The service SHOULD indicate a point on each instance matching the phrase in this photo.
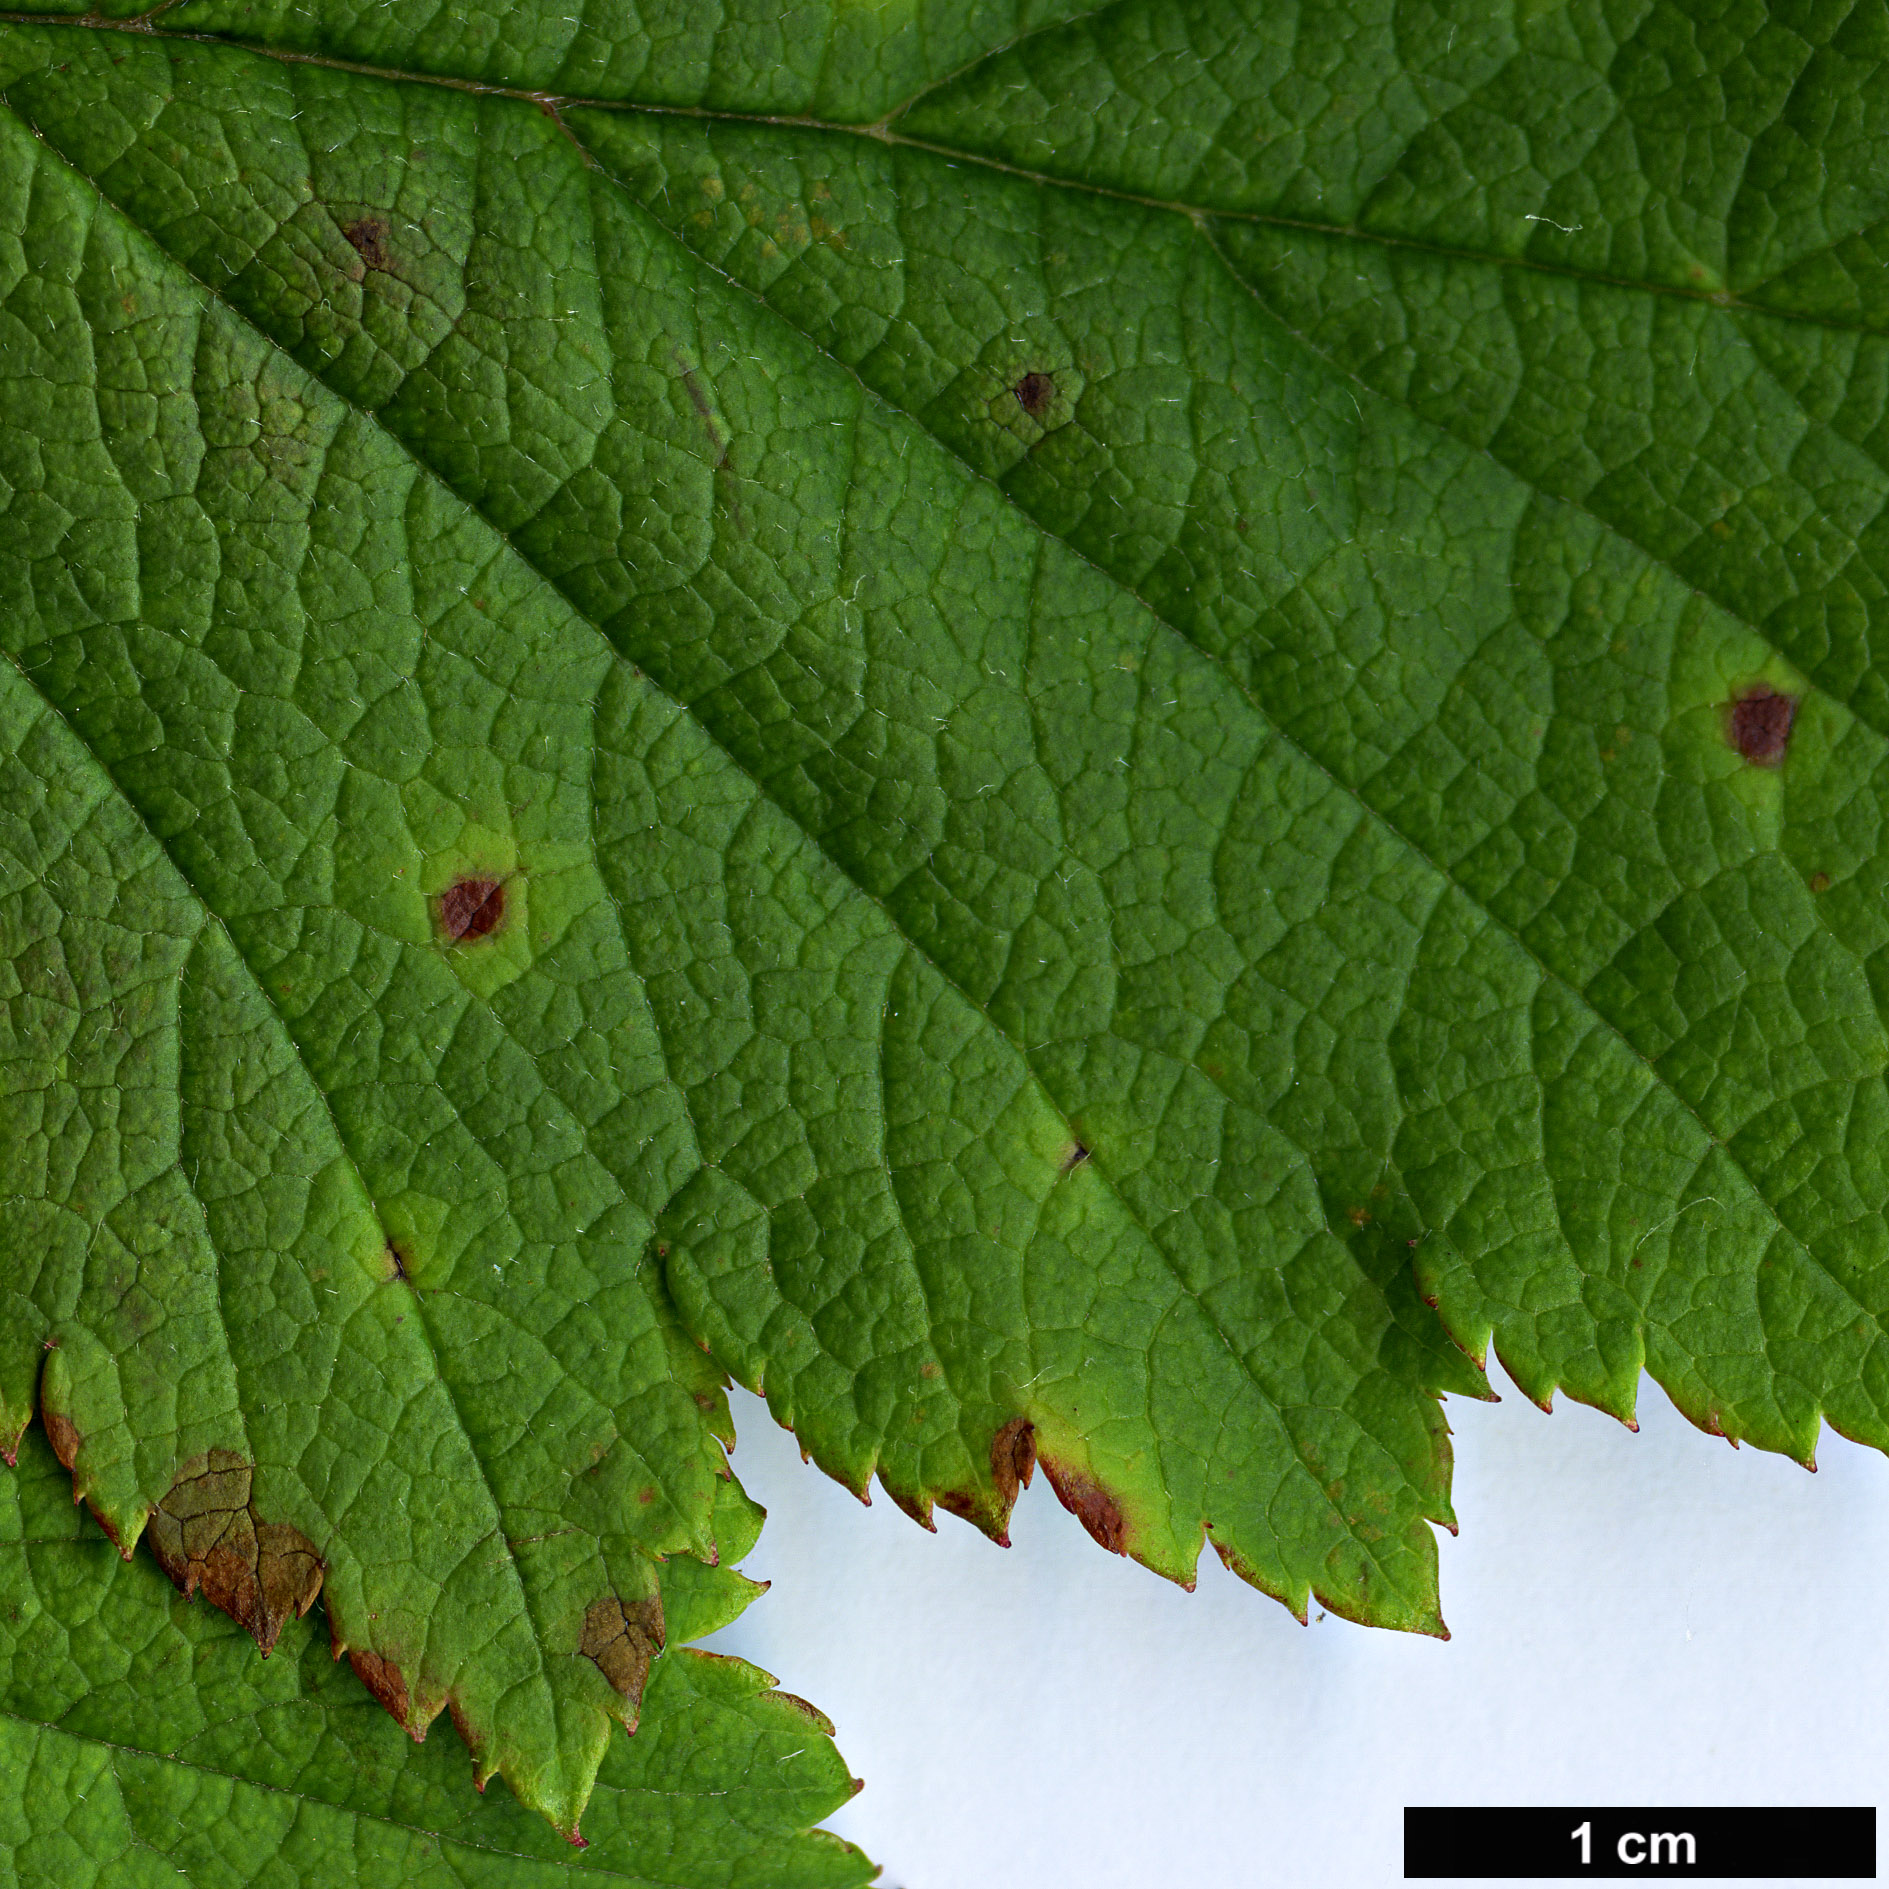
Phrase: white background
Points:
(1637, 1620)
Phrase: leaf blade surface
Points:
(1294, 1436)
(1400, 898)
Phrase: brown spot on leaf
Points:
(1237, 1564)
(369, 236)
(1090, 1504)
(1074, 1156)
(908, 1504)
(621, 1641)
(1820, 882)
(65, 1439)
(62, 1435)
(386, 1682)
(1034, 393)
(207, 1535)
(398, 1261)
(471, 908)
(704, 411)
(1759, 725)
(473, 1742)
(1013, 1458)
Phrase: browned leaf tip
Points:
(811, 1713)
(914, 1507)
(1034, 393)
(387, 1683)
(63, 1434)
(207, 1535)
(471, 908)
(621, 1639)
(1760, 725)
(1090, 1504)
(63, 1437)
(470, 1737)
(369, 237)
(1013, 1458)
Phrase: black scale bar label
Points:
(1778, 1844)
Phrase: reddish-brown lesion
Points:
(1012, 1464)
(209, 1539)
(472, 908)
(1035, 393)
(1089, 1503)
(63, 1436)
(1759, 723)
(470, 1736)
(384, 1679)
(621, 1638)
(705, 411)
(66, 1442)
(368, 235)
(915, 1506)
(1013, 1459)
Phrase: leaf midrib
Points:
(882, 131)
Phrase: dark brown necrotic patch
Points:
(1034, 392)
(207, 1536)
(62, 1435)
(471, 908)
(1013, 1458)
(386, 1682)
(1761, 725)
(622, 1638)
(369, 237)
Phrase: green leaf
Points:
(1103, 688)
(145, 1743)
(881, 824)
